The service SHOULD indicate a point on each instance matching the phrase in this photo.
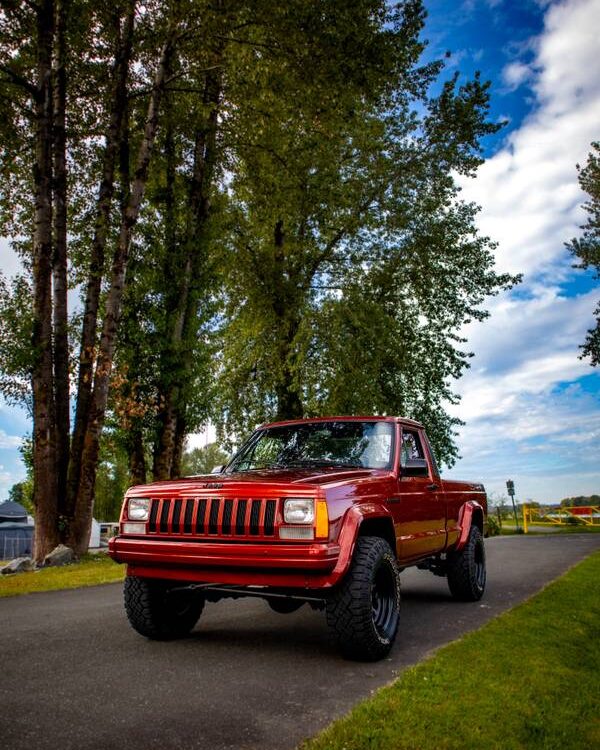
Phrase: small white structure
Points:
(94, 535)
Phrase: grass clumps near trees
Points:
(91, 570)
(529, 679)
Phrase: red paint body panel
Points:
(194, 536)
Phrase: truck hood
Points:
(245, 481)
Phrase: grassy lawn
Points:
(508, 529)
(92, 569)
(529, 679)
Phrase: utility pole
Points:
(510, 487)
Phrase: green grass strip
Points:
(92, 570)
(528, 679)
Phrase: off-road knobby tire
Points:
(466, 569)
(156, 612)
(352, 613)
(285, 606)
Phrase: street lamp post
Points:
(510, 487)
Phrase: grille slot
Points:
(227, 511)
(200, 516)
(214, 516)
(270, 518)
(254, 516)
(164, 516)
(153, 515)
(187, 519)
(176, 514)
(240, 517)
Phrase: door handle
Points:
(432, 487)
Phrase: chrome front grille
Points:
(213, 517)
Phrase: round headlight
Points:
(138, 508)
(298, 510)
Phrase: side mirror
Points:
(217, 469)
(415, 467)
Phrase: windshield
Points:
(366, 445)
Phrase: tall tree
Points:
(45, 462)
(38, 66)
(80, 524)
(351, 263)
(587, 247)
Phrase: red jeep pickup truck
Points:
(326, 511)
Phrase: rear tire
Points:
(158, 612)
(466, 569)
(364, 611)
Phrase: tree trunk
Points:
(137, 456)
(167, 417)
(289, 401)
(59, 270)
(179, 446)
(80, 529)
(289, 404)
(183, 323)
(87, 349)
(44, 412)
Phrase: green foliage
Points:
(586, 248)
(15, 339)
(112, 480)
(22, 493)
(203, 460)
(507, 686)
(573, 521)
(580, 500)
(494, 528)
(350, 264)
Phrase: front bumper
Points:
(314, 565)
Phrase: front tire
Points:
(158, 612)
(466, 569)
(364, 611)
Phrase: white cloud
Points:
(9, 441)
(521, 418)
(527, 345)
(9, 260)
(515, 74)
(529, 189)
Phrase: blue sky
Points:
(531, 406)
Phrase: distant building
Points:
(16, 533)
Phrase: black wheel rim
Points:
(384, 601)
(179, 603)
(479, 566)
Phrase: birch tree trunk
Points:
(59, 266)
(80, 528)
(87, 348)
(183, 324)
(44, 411)
(289, 401)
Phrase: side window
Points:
(434, 465)
(411, 446)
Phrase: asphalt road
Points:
(75, 675)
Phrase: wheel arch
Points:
(381, 526)
(366, 520)
(471, 514)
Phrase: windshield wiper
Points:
(322, 462)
